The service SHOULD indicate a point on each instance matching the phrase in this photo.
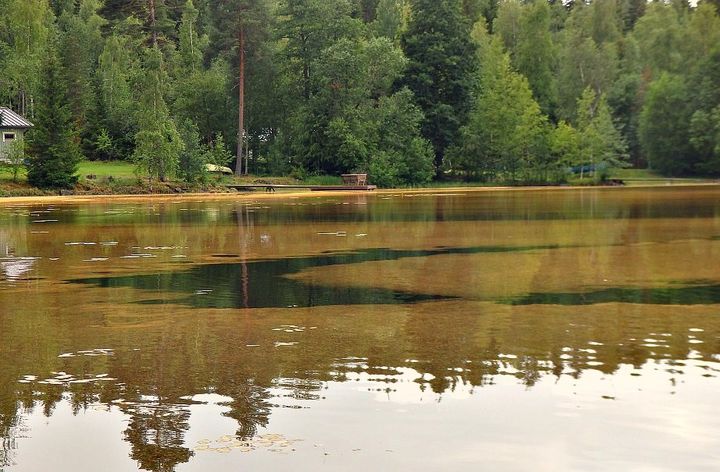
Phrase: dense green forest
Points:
(406, 90)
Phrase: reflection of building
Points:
(13, 269)
(12, 128)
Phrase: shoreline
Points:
(129, 198)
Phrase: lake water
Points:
(506, 331)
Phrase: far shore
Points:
(259, 195)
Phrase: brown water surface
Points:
(533, 330)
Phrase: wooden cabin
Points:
(12, 128)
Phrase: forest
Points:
(408, 91)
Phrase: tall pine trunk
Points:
(153, 26)
(241, 102)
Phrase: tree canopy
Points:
(406, 90)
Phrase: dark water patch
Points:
(263, 283)
(685, 295)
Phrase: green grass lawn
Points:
(650, 177)
(115, 169)
(6, 174)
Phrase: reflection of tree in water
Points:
(460, 350)
(156, 433)
(250, 407)
(10, 428)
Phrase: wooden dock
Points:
(312, 188)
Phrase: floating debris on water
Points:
(281, 344)
(162, 248)
(63, 378)
(277, 443)
(290, 328)
(90, 353)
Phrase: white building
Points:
(12, 127)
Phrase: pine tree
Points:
(54, 148)
(241, 24)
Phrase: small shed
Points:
(12, 128)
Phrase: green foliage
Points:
(81, 43)
(325, 84)
(705, 138)
(625, 98)
(157, 143)
(54, 150)
(535, 55)
(193, 157)
(353, 122)
(116, 71)
(389, 19)
(705, 120)
(191, 45)
(583, 62)
(659, 35)
(25, 29)
(664, 130)
(602, 144)
(202, 97)
(507, 133)
(103, 146)
(217, 153)
(566, 145)
(440, 70)
(401, 156)
(15, 155)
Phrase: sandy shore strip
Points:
(241, 196)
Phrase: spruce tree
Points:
(54, 143)
(157, 143)
(440, 70)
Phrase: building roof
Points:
(11, 120)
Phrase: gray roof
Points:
(10, 119)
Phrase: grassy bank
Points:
(119, 178)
